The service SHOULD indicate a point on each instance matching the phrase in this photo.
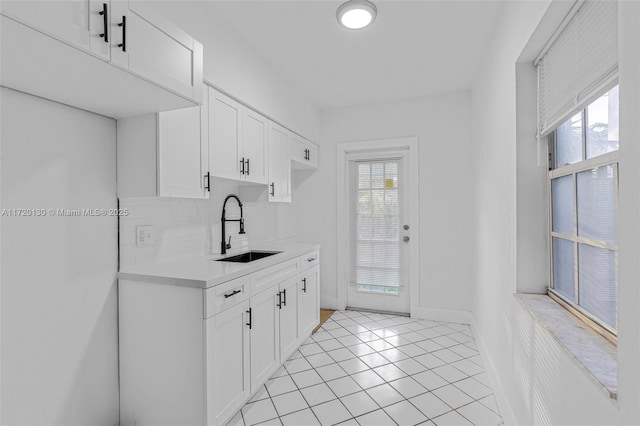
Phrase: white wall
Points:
(442, 124)
(539, 380)
(235, 66)
(59, 314)
(185, 227)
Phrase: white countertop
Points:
(205, 272)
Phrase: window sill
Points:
(593, 353)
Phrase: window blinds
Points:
(579, 63)
(376, 253)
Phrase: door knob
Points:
(405, 227)
(405, 238)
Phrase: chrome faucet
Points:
(223, 244)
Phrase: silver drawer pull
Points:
(311, 259)
(233, 293)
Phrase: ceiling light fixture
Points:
(356, 14)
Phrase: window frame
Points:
(554, 172)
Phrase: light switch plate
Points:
(145, 237)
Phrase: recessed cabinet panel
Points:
(227, 343)
(304, 154)
(265, 353)
(67, 20)
(279, 164)
(289, 332)
(309, 306)
(254, 146)
(225, 115)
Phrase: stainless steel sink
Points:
(249, 256)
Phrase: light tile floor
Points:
(372, 369)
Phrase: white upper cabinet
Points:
(237, 140)
(147, 44)
(164, 154)
(66, 51)
(304, 154)
(279, 164)
(254, 146)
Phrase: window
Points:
(583, 184)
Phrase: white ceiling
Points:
(414, 48)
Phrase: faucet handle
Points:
(229, 243)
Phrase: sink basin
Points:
(249, 256)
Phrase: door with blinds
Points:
(378, 236)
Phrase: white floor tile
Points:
(478, 414)
(306, 378)
(354, 365)
(408, 387)
(297, 365)
(257, 412)
(385, 395)
(280, 385)
(280, 372)
(376, 418)
(317, 394)
(405, 414)
(289, 402)
(361, 349)
(467, 367)
(380, 344)
(389, 372)
(260, 394)
(349, 340)
(330, 325)
(374, 360)
(452, 418)
(490, 403)
(449, 373)
(473, 388)
(429, 333)
(394, 354)
(445, 341)
(356, 328)
(430, 380)
(344, 386)
(329, 345)
(318, 360)
(413, 337)
(331, 413)
(430, 405)
(300, 418)
(330, 372)
(272, 422)
(429, 361)
(429, 346)
(410, 366)
(350, 422)
(338, 332)
(359, 403)
(341, 354)
(325, 335)
(397, 341)
(311, 349)
(367, 379)
(452, 396)
(296, 354)
(446, 355)
(412, 350)
(367, 336)
(463, 351)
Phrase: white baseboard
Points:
(508, 418)
(449, 315)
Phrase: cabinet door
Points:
(279, 164)
(309, 306)
(289, 318)
(149, 45)
(265, 354)
(67, 20)
(225, 118)
(304, 154)
(228, 382)
(254, 146)
(182, 153)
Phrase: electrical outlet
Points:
(145, 237)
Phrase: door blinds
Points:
(579, 63)
(376, 254)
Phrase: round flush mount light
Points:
(356, 14)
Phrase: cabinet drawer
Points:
(309, 260)
(273, 275)
(224, 296)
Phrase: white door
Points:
(265, 351)
(378, 234)
(279, 164)
(309, 308)
(225, 132)
(254, 145)
(227, 362)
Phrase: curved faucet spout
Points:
(223, 244)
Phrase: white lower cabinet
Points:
(193, 356)
(227, 342)
(264, 320)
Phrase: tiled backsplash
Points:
(186, 227)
